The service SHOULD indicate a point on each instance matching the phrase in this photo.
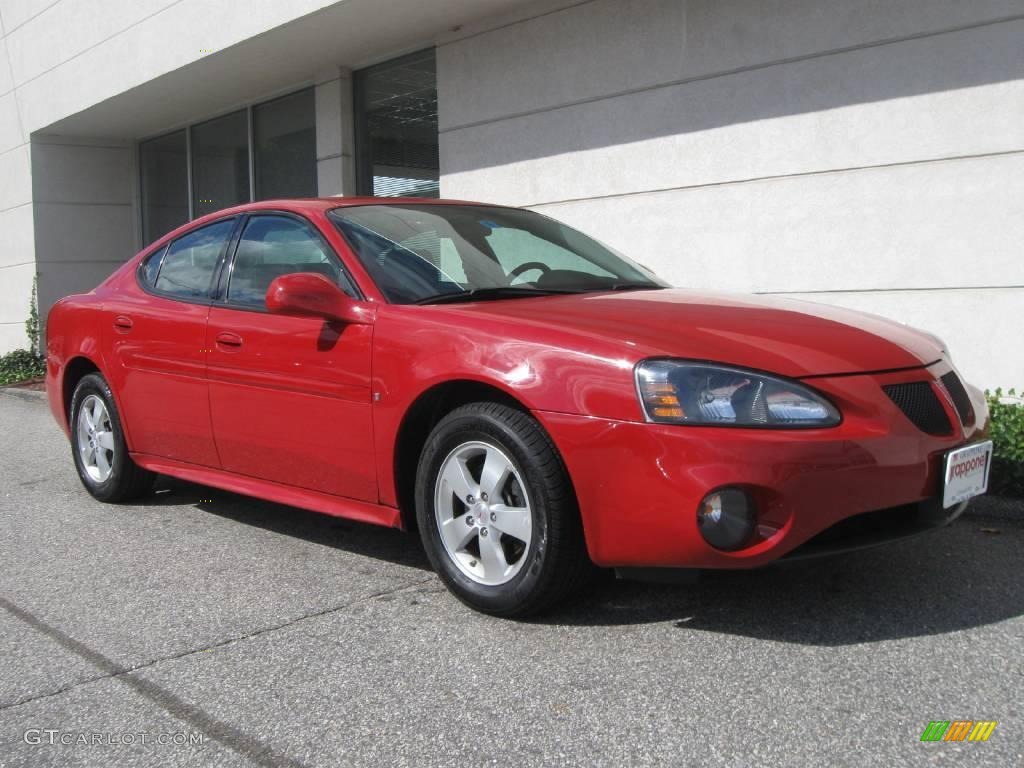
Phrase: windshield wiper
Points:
(632, 287)
(499, 292)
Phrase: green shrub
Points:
(1007, 476)
(32, 324)
(21, 364)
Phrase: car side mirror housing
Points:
(309, 294)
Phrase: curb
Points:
(23, 394)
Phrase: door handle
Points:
(122, 323)
(228, 339)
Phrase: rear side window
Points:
(272, 246)
(187, 267)
(151, 267)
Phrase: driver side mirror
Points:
(308, 294)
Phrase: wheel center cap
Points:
(480, 510)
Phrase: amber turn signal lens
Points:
(662, 401)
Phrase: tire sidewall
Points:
(451, 432)
(94, 384)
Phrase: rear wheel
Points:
(497, 513)
(98, 445)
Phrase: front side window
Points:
(272, 246)
(423, 253)
(187, 268)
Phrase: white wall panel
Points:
(890, 104)
(608, 46)
(881, 228)
(17, 12)
(15, 178)
(6, 81)
(861, 153)
(66, 29)
(10, 126)
(16, 247)
(14, 302)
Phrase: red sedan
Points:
(535, 404)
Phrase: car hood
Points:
(784, 336)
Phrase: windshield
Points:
(420, 253)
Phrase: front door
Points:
(289, 396)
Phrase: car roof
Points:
(301, 205)
(327, 203)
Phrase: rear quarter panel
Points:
(73, 330)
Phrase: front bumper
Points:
(639, 484)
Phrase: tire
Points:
(515, 555)
(98, 446)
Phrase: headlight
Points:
(679, 392)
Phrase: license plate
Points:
(966, 473)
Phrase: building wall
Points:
(855, 152)
(84, 214)
(82, 81)
(57, 59)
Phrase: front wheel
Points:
(497, 513)
(98, 445)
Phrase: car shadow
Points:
(956, 578)
(952, 579)
(386, 544)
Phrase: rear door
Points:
(289, 396)
(158, 345)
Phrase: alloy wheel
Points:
(95, 437)
(483, 513)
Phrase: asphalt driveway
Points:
(206, 628)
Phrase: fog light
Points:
(726, 518)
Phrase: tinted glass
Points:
(151, 267)
(163, 172)
(396, 127)
(220, 163)
(415, 252)
(187, 269)
(272, 246)
(285, 134)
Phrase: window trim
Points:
(152, 290)
(227, 269)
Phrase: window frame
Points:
(220, 297)
(215, 275)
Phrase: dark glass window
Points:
(396, 127)
(272, 246)
(164, 171)
(187, 269)
(220, 163)
(284, 131)
(421, 252)
(151, 267)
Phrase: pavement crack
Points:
(230, 736)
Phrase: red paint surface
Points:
(283, 407)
